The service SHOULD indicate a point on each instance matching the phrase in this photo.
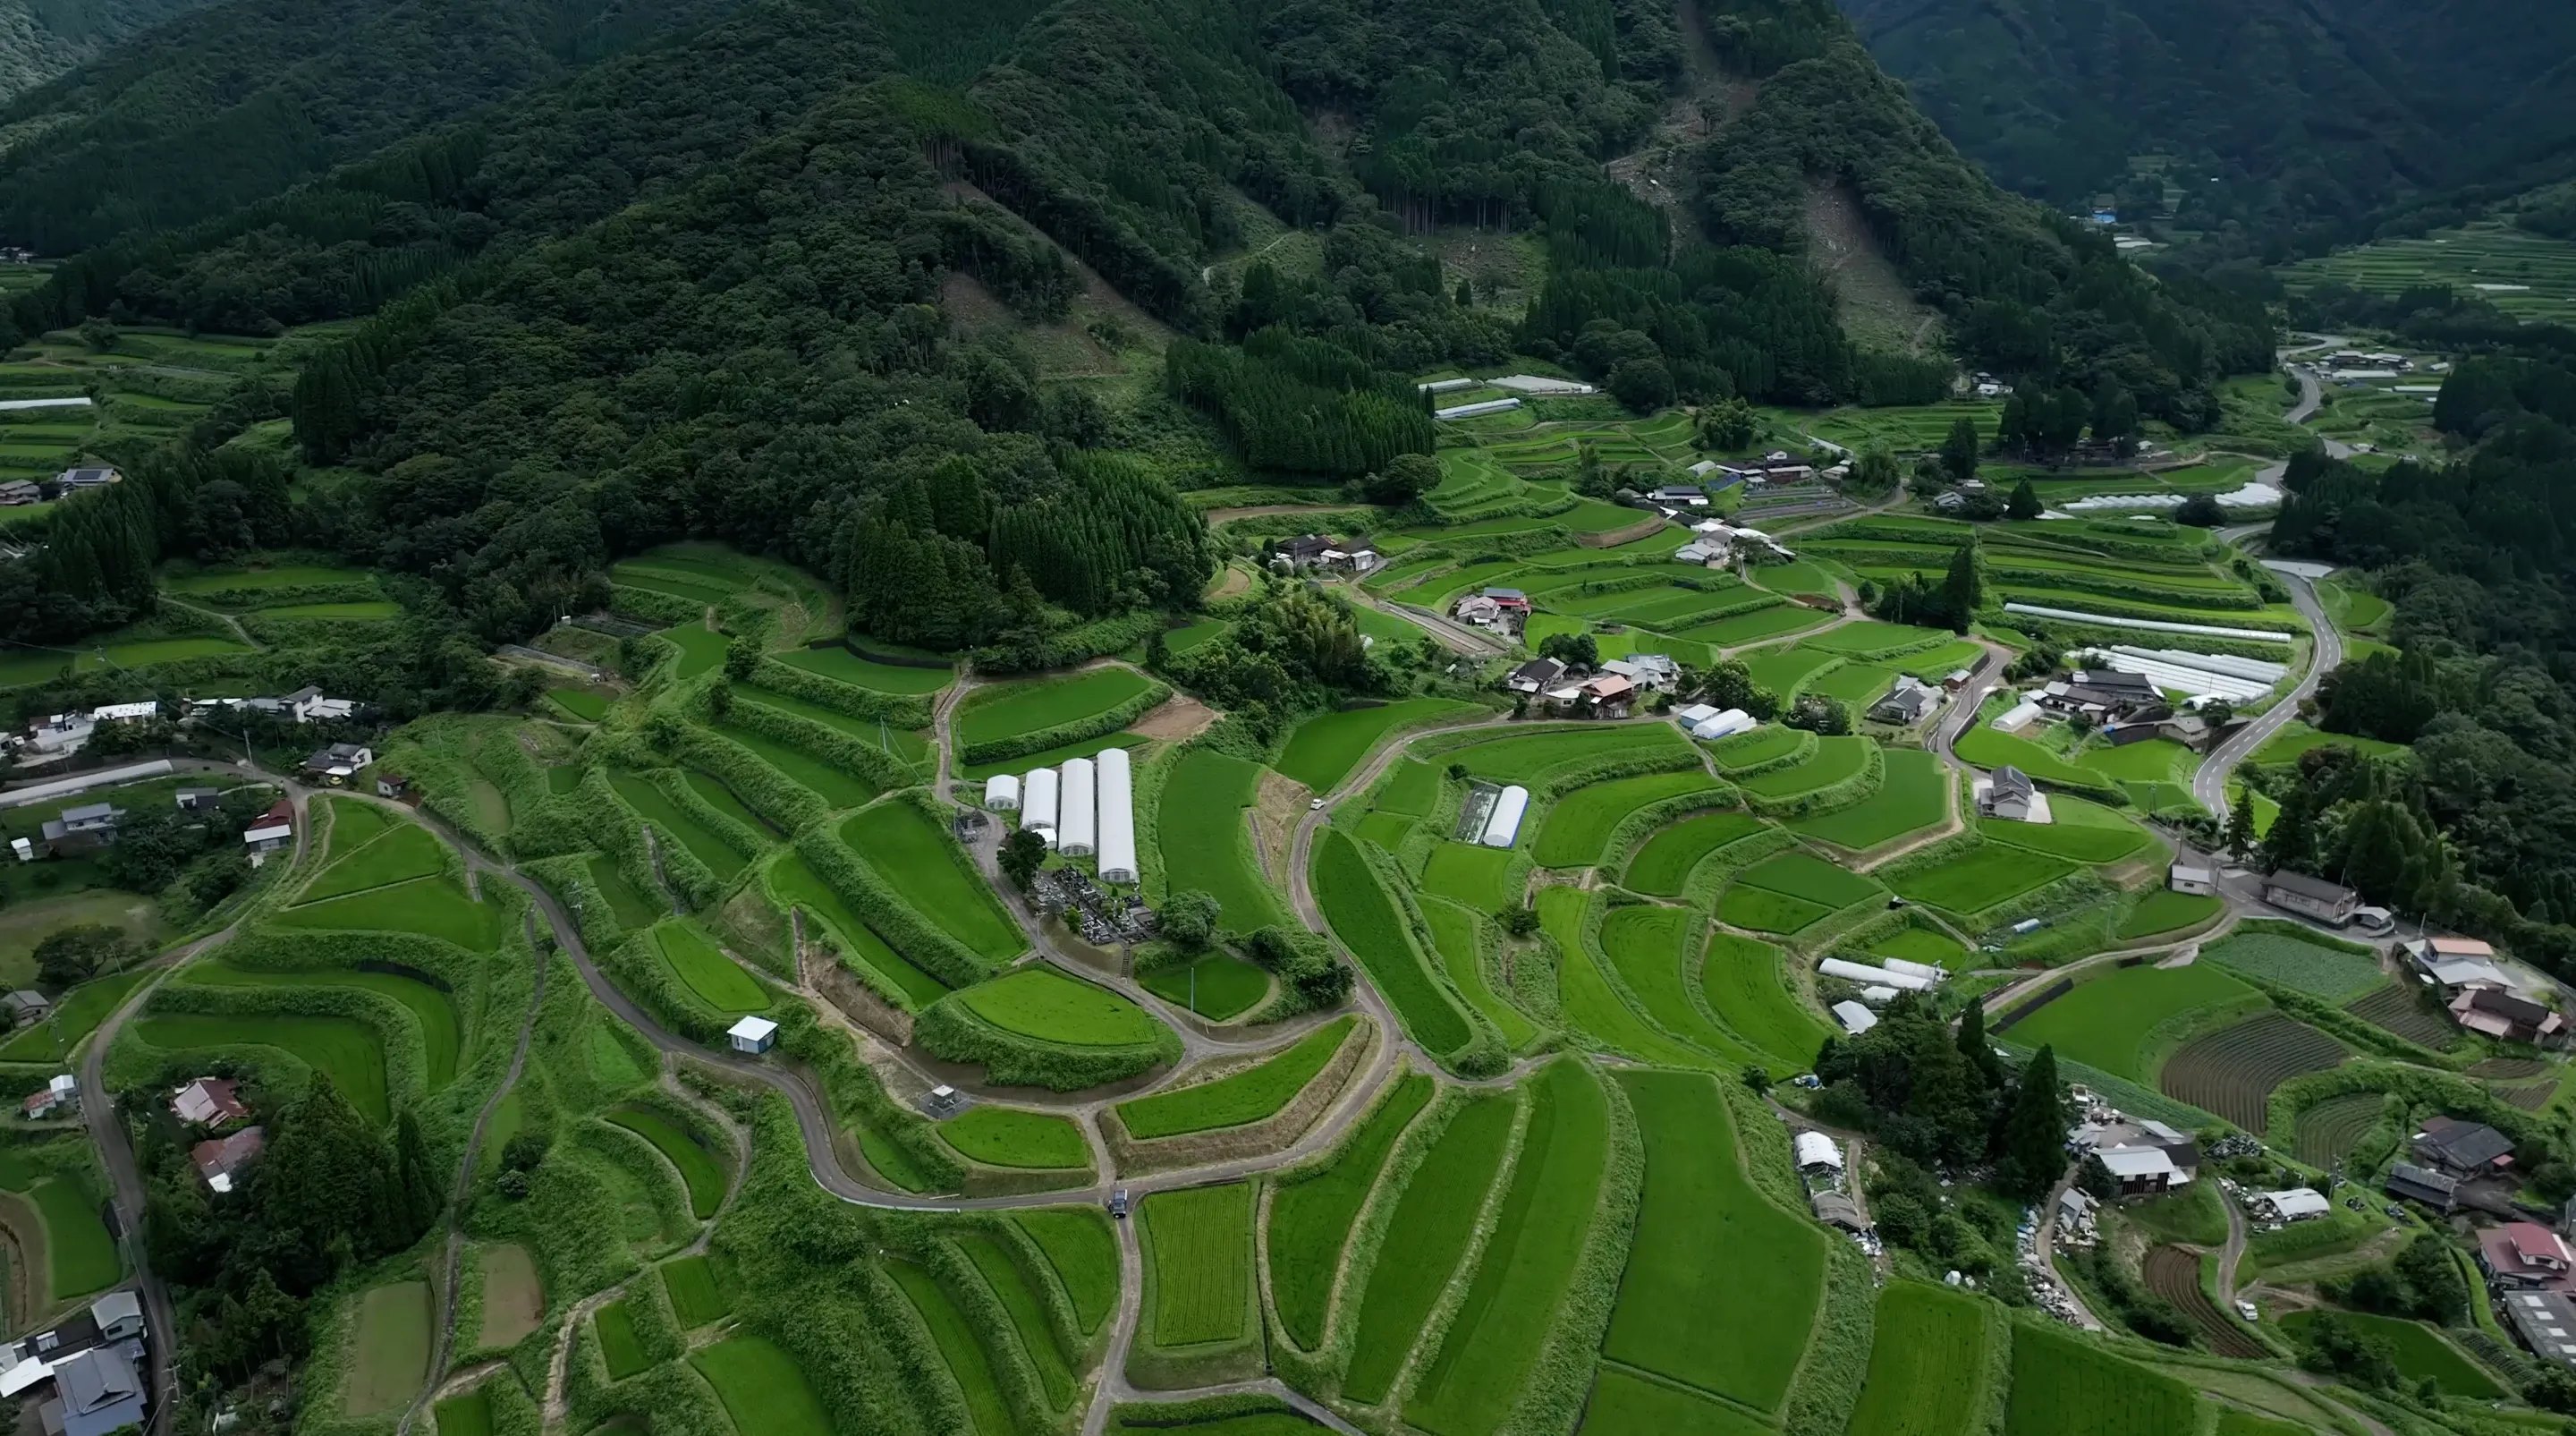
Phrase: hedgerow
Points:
(654, 607)
(2121, 584)
(1659, 758)
(770, 793)
(352, 591)
(1096, 639)
(924, 943)
(1164, 1415)
(948, 1029)
(995, 750)
(868, 761)
(901, 710)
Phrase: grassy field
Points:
(407, 852)
(1913, 795)
(2101, 1023)
(697, 1290)
(618, 1346)
(1456, 936)
(1204, 842)
(1980, 878)
(1323, 750)
(392, 1356)
(348, 1050)
(699, 1171)
(708, 974)
(1047, 1005)
(1471, 874)
(1311, 1216)
(1010, 1137)
(1198, 1247)
(1008, 711)
(762, 1390)
(1528, 1262)
(1251, 1095)
(1925, 1364)
(433, 907)
(1367, 922)
(1627, 1405)
(678, 824)
(2082, 832)
(1426, 1238)
(917, 855)
(1744, 984)
(2065, 1386)
(1726, 1304)
(1664, 863)
(2420, 1352)
(1761, 745)
(21, 669)
(78, 1249)
(431, 1010)
(1083, 1255)
(633, 911)
(1578, 828)
(76, 1015)
(466, 1415)
(1217, 986)
(841, 664)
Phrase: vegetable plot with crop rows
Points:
(2232, 1071)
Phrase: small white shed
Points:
(753, 1035)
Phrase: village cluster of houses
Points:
(86, 828)
(1322, 553)
(57, 736)
(17, 493)
(85, 1372)
(1715, 543)
(1610, 691)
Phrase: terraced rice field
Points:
(392, 1349)
(2103, 1022)
(1472, 874)
(1651, 948)
(1745, 984)
(1457, 938)
(2166, 911)
(841, 665)
(1429, 1231)
(699, 1171)
(1761, 745)
(702, 649)
(708, 974)
(433, 1012)
(1913, 796)
(1664, 863)
(837, 787)
(1726, 1301)
(2527, 275)
(678, 824)
(348, 1050)
(916, 855)
(1495, 1337)
(2063, 1385)
(1251, 1095)
(2082, 832)
(1980, 879)
(1311, 1216)
(1198, 1247)
(1041, 1003)
(433, 907)
(399, 855)
(1367, 922)
(1081, 1252)
(696, 1289)
(762, 1389)
(2174, 1274)
(1529, 757)
(1585, 998)
(1791, 892)
(1205, 844)
(1323, 750)
(1926, 1364)
(1577, 831)
(2421, 1353)
(1026, 1308)
(1217, 987)
(1835, 760)
(793, 880)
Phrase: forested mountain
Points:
(696, 289)
(235, 103)
(2281, 116)
(40, 39)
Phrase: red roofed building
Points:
(2527, 1256)
(208, 1102)
(220, 1159)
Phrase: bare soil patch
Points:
(1876, 305)
(1176, 721)
(1274, 814)
(514, 1298)
(1233, 581)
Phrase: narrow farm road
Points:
(2230, 1255)
(2209, 783)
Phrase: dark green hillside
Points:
(2276, 115)
(40, 39)
(235, 103)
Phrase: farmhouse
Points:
(1479, 610)
(2311, 897)
(95, 1392)
(119, 1316)
(1302, 552)
(274, 830)
(1535, 676)
(2103, 693)
(220, 1160)
(1909, 702)
(2075, 1208)
(25, 1006)
(2455, 964)
(2507, 1018)
(84, 829)
(1690, 495)
(1606, 695)
(2191, 878)
(2417, 1184)
(2011, 796)
(59, 1092)
(1697, 554)
(2111, 1132)
(1358, 558)
(340, 762)
(2463, 1149)
(17, 492)
(209, 1102)
(2141, 1171)
(2526, 1256)
(2297, 1204)
(1510, 600)
(2546, 1322)
(1652, 672)
(87, 478)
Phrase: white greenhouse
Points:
(1037, 803)
(1002, 793)
(1504, 827)
(1075, 834)
(1117, 818)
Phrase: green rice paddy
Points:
(993, 714)
(1198, 1247)
(841, 665)
(762, 1389)
(1311, 1216)
(1204, 841)
(1578, 828)
(1217, 986)
(1367, 922)
(1428, 1234)
(2103, 1023)
(1323, 750)
(1254, 1094)
(1042, 1003)
(699, 1171)
(1913, 795)
(708, 974)
(1011, 1137)
(1665, 862)
(346, 1050)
